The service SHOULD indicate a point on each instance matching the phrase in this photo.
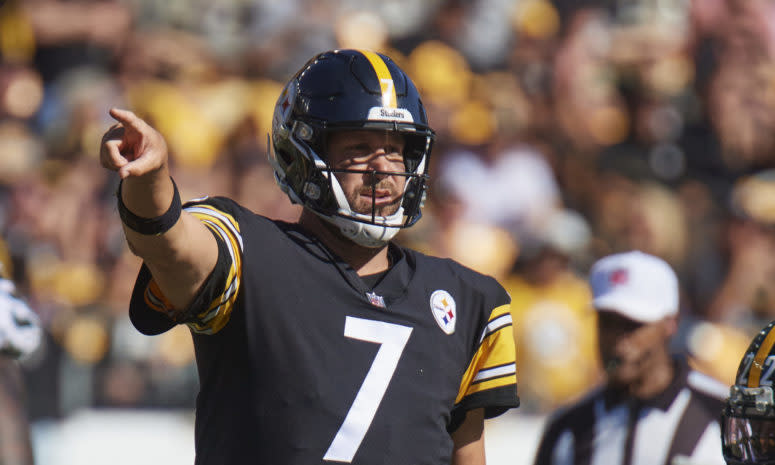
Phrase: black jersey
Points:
(301, 363)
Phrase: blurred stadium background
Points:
(567, 129)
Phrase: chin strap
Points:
(365, 235)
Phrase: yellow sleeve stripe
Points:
(222, 220)
(507, 380)
(221, 303)
(155, 299)
(493, 365)
(500, 371)
(231, 243)
(500, 311)
(217, 315)
(224, 225)
(496, 324)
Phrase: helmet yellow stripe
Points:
(758, 361)
(385, 79)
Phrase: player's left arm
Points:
(490, 381)
(468, 440)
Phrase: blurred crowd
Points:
(566, 130)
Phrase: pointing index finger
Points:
(127, 118)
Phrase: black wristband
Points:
(151, 226)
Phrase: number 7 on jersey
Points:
(392, 339)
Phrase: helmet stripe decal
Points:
(385, 79)
(758, 361)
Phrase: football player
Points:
(748, 421)
(20, 335)
(322, 340)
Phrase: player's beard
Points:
(361, 200)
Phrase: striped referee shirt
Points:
(679, 426)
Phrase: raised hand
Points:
(179, 250)
(132, 147)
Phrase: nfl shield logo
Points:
(443, 309)
(376, 299)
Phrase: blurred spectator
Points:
(746, 296)
(653, 407)
(511, 187)
(554, 327)
(71, 34)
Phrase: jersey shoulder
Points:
(223, 205)
(220, 202)
(239, 221)
(447, 268)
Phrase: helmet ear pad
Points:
(348, 90)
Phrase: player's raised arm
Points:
(176, 247)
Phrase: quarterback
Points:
(320, 341)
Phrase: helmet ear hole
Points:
(414, 196)
(315, 188)
(303, 131)
(312, 191)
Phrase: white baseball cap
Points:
(636, 285)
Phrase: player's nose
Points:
(382, 160)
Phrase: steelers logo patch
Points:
(444, 311)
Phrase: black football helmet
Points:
(748, 420)
(348, 90)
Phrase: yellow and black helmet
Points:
(748, 420)
(348, 90)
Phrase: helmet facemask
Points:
(748, 426)
(322, 192)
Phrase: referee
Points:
(653, 409)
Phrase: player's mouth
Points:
(381, 197)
